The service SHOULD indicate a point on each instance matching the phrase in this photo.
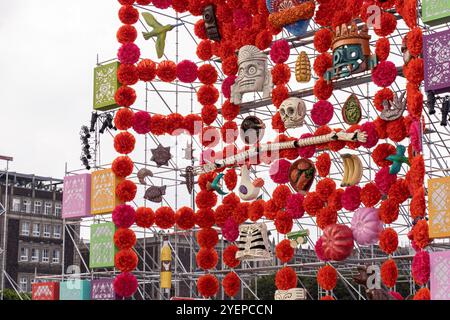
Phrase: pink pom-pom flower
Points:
(242, 18)
(351, 198)
(141, 122)
(415, 136)
(279, 52)
(308, 151)
(421, 267)
(123, 216)
(187, 71)
(384, 180)
(322, 112)
(279, 171)
(320, 252)
(294, 205)
(125, 285)
(129, 53)
(372, 135)
(226, 86)
(230, 230)
(384, 74)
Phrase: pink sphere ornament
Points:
(366, 226)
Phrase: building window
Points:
(48, 208)
(26, 206)
(47, 231)
(37, 207)
(24, 284)
(58, 209)
(45, 257)
(16, 205)
(57, 232)
(36, 230)
(56, 256)
(23, 254)
(25, 229)
(34, 255)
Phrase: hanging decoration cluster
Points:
(234, 33)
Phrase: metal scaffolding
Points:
(164, 98)
(4, 207)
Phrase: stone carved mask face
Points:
(293, 112)
(253, 74)
(212, 30)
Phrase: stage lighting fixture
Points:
(104, 126)
(431, 102)
(109, 120)
(445, 109)
(85, 162)
(94, 118)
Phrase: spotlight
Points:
(85, 162)
(85, 132)
(445, 110)
(109, 120)
(94, 118)
(431, 102)
(104, 126)
(87, 149)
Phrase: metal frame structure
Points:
(166, 98)
(4, 216)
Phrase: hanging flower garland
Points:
(124, 216)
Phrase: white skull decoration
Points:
(293, 112)
(253, 75)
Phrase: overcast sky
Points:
(48, 51)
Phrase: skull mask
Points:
(253, 75)
(292, 112)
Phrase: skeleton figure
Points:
(393, 109)
(211, 27)
(293, 112)
(253, 76)
(253, 243)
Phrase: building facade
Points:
(34, 230)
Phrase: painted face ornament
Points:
(301, 175)
(293, 111)
(253, 76)
(351, 52)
